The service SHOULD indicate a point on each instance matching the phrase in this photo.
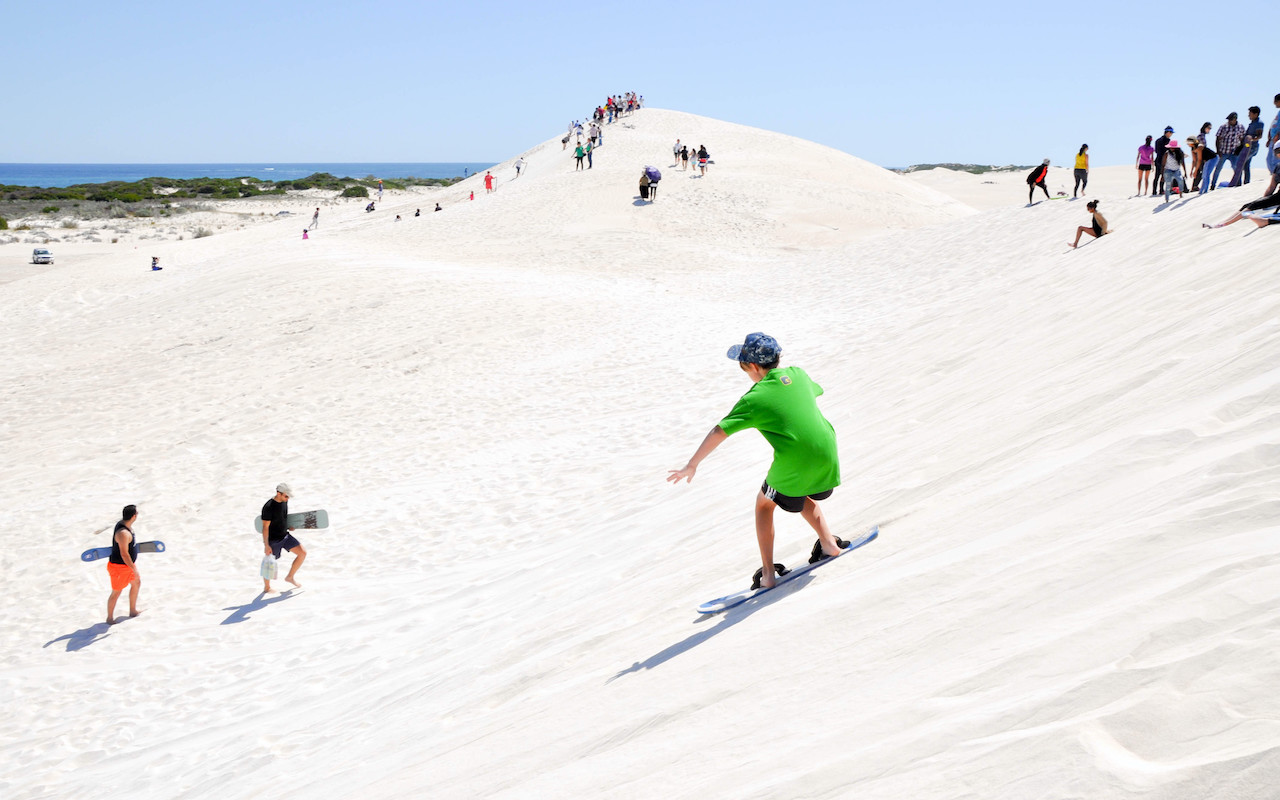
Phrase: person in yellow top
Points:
(1082, 170)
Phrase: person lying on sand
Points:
(1261, 212)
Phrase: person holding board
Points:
(276, 537)
(782, 405)
(122, 565)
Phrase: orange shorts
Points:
(121, 575)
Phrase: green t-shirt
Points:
(782, 407)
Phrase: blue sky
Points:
(894, 83)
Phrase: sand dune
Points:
(1071, 456)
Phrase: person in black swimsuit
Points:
(1097, 229)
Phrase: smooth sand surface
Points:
(1072, 456)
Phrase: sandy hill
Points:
(1071, 455)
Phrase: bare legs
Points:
(300, 555)
(134, 586)
(812, 514)
(1083, 229)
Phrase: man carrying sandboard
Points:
(122, 566)
(276, 537)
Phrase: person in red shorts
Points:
(122, 566)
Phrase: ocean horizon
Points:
(63, 175)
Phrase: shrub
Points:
(201, 233)
(4, 224)
(49, 210)
(208, 188)
(70, 223)
(355, 191)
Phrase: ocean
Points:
(59, 175)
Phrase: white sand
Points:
(1072, 456)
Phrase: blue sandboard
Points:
(738, 598)
(95, 553)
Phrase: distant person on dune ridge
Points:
(488, 182)
(1081, 170)
(1146, 155)
(1157, 177)
(1038, 177)
(782, 405)
(315, 220)
(1097, 229)
(122, 565)
(1174, 170)
(519, 165)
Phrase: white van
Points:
(41, 256)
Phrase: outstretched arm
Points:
(713, 439)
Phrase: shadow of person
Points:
(730, 618)
(241, 613)
(84, 637)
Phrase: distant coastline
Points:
(64, 175)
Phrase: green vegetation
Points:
(355, 191)
(214, 188)
(975, 169)
(49, 210)
(4, 224)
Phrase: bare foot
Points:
(134, 612)
(111, 621)
(1073, 245)
(293, 580)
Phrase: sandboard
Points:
(303, 520)
(738, 598)
(95, 553)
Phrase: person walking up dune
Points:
(122, 565)
(1038, 177)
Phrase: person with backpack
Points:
(1038, 177)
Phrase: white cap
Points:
(283, 488)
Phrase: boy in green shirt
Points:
(782, 406)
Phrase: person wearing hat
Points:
(782, 405)
(1229, 139)
(275, 534)
(1038, 177)
(1157, 179)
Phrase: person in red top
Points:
(488, 182)
(1037, 178)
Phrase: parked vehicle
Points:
(41, 256)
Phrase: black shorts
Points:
(788, 503)
(1144, 168)
(287, 543)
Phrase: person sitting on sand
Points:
(1261, 212)
(369, 207)
(438, 208)
(1099, 227)
(417, 212)
(122, 566)
(304, 233)
(397, 217)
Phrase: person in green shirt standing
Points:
(806, 469)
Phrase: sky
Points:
(893, 83)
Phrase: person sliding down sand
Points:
(782, 406)
(1099, 227)
(1261, 212)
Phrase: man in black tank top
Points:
(122, 566)
(276, 537)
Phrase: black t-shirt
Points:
(116, 557)
(276, 514)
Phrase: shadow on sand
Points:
(78, 640)
(727, 620)
(241, 613)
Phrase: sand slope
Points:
(1071, 455)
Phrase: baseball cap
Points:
(283, 488)
(1168, 129)
(757, 348)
